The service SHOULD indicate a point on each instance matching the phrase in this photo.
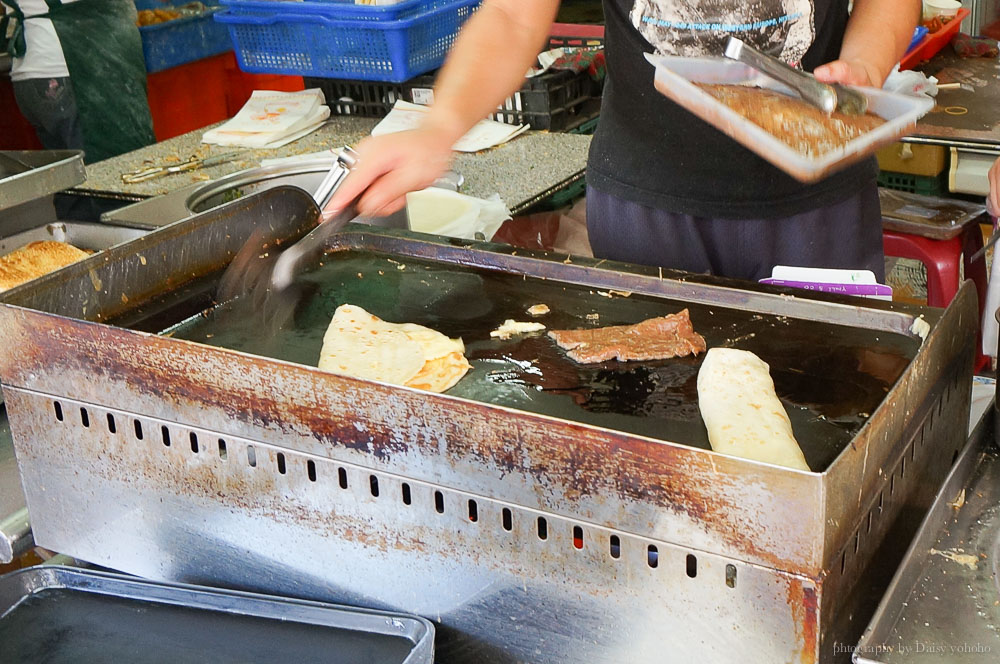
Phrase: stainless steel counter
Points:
(944, 603)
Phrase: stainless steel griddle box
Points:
(177, 461)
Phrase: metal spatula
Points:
(826, 98)
(266, 276)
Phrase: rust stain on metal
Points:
(804, 606)
(572, 462)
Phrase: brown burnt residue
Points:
(571, 468)
(803, 603)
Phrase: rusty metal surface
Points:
(789, 527)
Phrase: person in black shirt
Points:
(665, 188)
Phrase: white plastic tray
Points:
(676, 78)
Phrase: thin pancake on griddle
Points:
(652, 339)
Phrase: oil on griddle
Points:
(829, 377)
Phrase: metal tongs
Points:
(823, 96)
(270, 279)
(143, 174)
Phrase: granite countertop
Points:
(523, 171)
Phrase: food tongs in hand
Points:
(823, 96)
(268, 277)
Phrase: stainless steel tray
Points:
(64, 615)
(80, 234)
(530, 537)
(50, 171)
(15, 531)
(942, 603)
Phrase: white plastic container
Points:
(940, 8)
(676, 78)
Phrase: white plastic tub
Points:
(676, 78)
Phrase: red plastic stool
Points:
(943, 259)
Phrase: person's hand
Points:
(993, 200)
(849, 72)
(389, 167)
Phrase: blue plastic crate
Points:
(315, 38)
(173, 43)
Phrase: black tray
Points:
(58, 614)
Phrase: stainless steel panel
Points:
(51, 171)
(149, 488)
(83, 235)
(942, 603)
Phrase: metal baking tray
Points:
(63, 615)
(676, 77)
(927, 216)
(26, 175)
(80, 234)
(942, 603)
(604, 536)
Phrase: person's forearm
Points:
(488, 62)
(878, 33)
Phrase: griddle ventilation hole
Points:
(616, 547)
(251, 456)
(577, 537)
(281, 463)
(954, 457)
(868, 528)
(137, 426)
(311, 470)
(731, 576)
(194, 442)
(902, 466)
(84, 417)
(843, 562)
(543, 528)
(373, 485)
(58, 408)
(507, 519)
(691, 565)
(857, 542)
(342, 477)
(473, 511)
(892, 484)
(407, 498)
(164, 433)
(439, 502)
(112, 425)
(223, 452)
(652, 556)
(880, 499)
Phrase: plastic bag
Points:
(910, 82)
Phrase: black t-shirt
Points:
(649, 150)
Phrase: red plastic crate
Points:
(934, 42)
(16, 133)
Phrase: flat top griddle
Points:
(830, 378)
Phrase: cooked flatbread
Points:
(742, 412)
(362, 345)
(36, 259)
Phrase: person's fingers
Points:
(994, 197)
(830, 72)
(388, 193)
(373, 162)
(844, 72)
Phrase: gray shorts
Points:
(846, 235)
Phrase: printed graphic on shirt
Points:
(782, 28)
